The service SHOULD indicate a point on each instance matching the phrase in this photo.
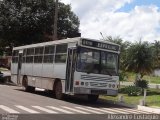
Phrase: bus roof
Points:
(68, 40)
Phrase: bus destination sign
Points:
(100, 45)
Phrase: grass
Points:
(134, 100)
(152, 98)
(150, 79)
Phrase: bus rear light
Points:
(77, 83)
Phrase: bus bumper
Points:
(80, 90)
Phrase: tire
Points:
(31, 89)
(93, 98)
(58, 91)
(26, 87)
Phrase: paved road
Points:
(13, 100)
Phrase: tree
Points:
(139, 58)
(156, 49)
(30, 21)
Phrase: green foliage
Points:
(122, 76)
(132, 90)
(30, 21)
(152, 99)
(122, 90)
(139, 58)
(143, 84)
(156, 52)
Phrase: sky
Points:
(131, 20)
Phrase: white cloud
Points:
(83, 7)
(102, 16)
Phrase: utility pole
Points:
(55, 21)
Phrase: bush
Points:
(132, 90)
(142, 83)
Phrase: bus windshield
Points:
(98, 62)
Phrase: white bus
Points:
(75, 66)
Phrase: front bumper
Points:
(81, 90)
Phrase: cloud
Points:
(103, 16)
(83, 7)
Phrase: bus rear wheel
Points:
(58, 91)
(93, 98)
(26, 87)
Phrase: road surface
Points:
(41, 105)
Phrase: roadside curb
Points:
(148, 109)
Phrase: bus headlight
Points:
(86, 83)
(113, 85)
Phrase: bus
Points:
(73, 66)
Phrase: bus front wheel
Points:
(93, 98)
(58, 90)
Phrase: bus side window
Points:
(29, 55)
(61, 53)
(49, 54)
(30, 51)
(15, 56)
(38, 55)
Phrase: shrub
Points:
(132, 90)
(142, 83)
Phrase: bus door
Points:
(70, 69)
(19, 66)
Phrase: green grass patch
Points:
(150, 79)
(133, 100)
(152, 98)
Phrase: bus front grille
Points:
(95, 84)
(96, 78)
